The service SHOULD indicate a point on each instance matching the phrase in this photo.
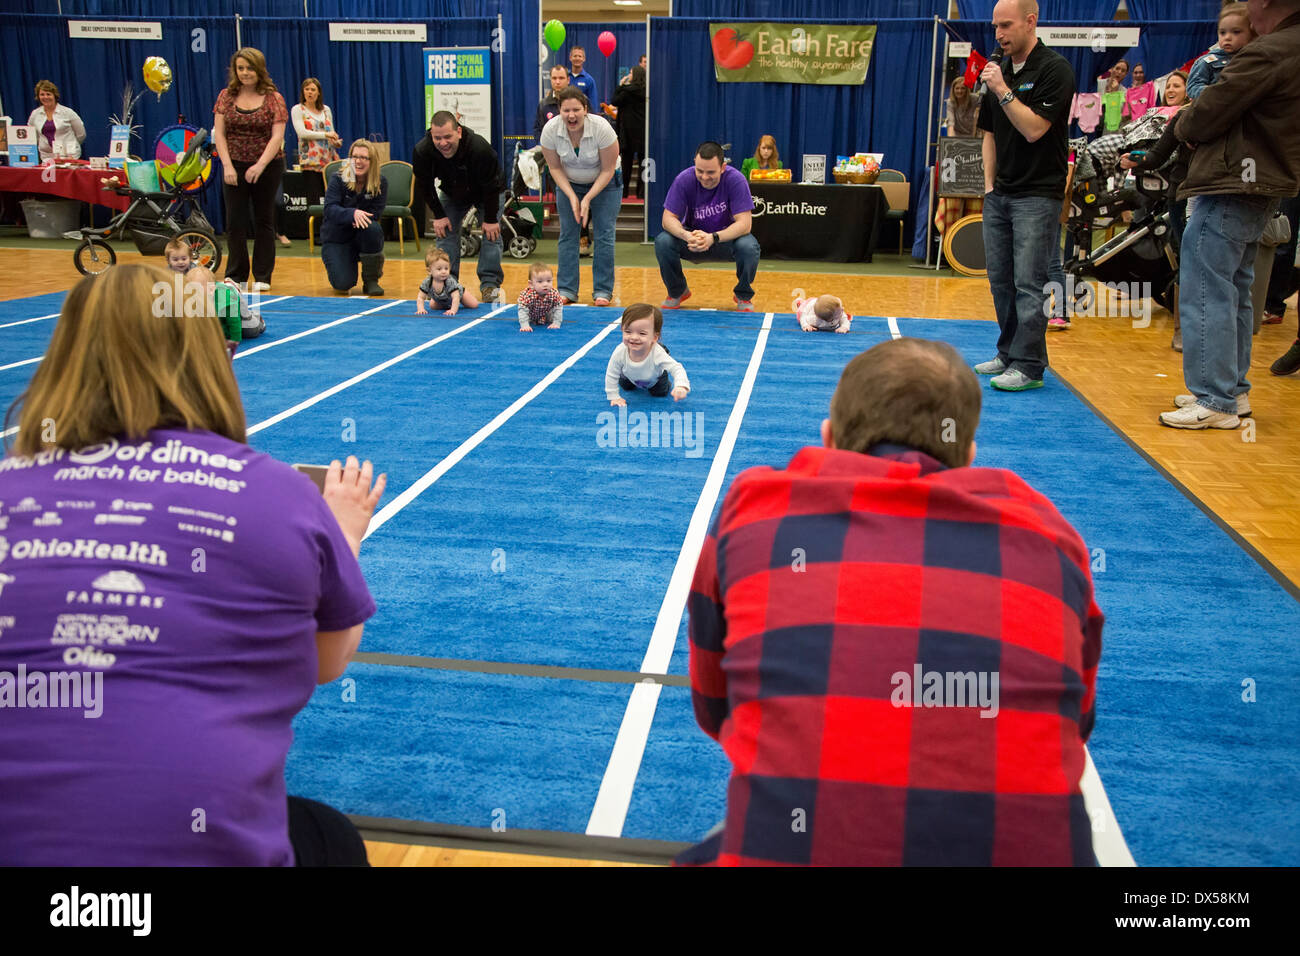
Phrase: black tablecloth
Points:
(835, 223)
(301, 189)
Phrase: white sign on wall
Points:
(115, 30)
(378, 33)
(959, 51)
(1099, 38)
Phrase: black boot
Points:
(1288, 363)
(372, 267)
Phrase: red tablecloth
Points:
(82, 184)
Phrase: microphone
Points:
(994, 57)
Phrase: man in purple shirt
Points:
(708, 214)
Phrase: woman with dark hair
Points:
(248, 132)
(59, 130)
(354, 203)
(314, 124)
(197, 592)
(629, 99)
(581, 153)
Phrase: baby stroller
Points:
(154, 218)
(1145, 253)
(516, 220)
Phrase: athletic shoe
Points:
(994, 366)
(600, 301)
(1272, 318)
(487, 293)
(1198, 416)
(1177, 343)
(1289, 362)
(675, 303)
(1058, 323)
(1014, 380)
(743, 305)
(259, 287)
(1243, 403)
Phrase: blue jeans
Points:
(670, 251)
(1215, 276)
(604, 216)
(1020, 234)
(341, 258)
(489, 255)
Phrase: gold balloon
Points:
(157, 74)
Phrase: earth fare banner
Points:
(791, 52)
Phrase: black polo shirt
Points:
(1045, 84)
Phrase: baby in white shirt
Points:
(823, 313)
(641, 362)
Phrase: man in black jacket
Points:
(469, 176)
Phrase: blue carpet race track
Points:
(520, 578)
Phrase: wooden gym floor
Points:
(1248, 479)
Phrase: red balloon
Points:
(606, 42)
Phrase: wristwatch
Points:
(716, 239)
(1007, 97)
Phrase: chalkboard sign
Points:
(961, 167)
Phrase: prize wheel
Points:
(167, 148)
(963, 246)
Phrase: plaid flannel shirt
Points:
(825, 599)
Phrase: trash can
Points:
(51, 218)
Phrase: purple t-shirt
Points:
(167, 592)
(709, 210)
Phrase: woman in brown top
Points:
(248, 130)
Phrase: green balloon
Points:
(554, 34)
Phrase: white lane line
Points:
(39, 318)
(39, 357)
(362, 376)
(469, 444)
(318, 328)
(610, 810)
(30, 361)
(1107, 838)
(893, 327)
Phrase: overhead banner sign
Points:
(378, 33)
(791, 53)
(1099, 38)
(459, 80)
(114, 30)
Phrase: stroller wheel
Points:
(469, 244)
(521, 247)
(94, 256)
(204, 250)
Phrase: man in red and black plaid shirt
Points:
(897, 651)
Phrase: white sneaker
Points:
(1198, 416)
(259, 286)
(1243, 403)
(994, 366)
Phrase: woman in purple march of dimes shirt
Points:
(169, 599)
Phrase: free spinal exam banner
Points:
(791, 52)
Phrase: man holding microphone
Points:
(1025, 119)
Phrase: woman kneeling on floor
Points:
(354, 202)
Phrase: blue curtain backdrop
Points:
(863, 10)
(90, 75)
(687, 105)
(369, 87)
(603, 69)
(1207, 10)
(1057, 11)
(520, 53)
(1163, 45)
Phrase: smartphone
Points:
(316, 473)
